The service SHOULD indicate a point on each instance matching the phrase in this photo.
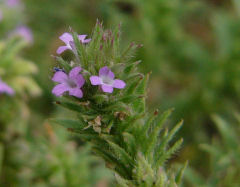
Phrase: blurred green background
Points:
(191, 47)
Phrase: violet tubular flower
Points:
(12, 3)
(106, 80)
(71, 83)
(4, 88)
(23, 32)
(1, 16)
(67, 38)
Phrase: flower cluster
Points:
(73, 82)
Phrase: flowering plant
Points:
(129, 138)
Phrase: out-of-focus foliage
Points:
(53, 160)
(224, 157)
(17, 73)
(193, 49)
(33, 155)
(11, 17)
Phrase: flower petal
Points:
(72, 46)
(1, 15)
(119, 84)
(87, 41)
(24, 32)
(74, 72)
(12, 3)
(79, 80)
(77, 92)
(95, 80)
(66, 37)
(59, 89)
(82, 37)
(111, 74)
(4, 88)
(105, 71)
(107, 88)
(60, 77)
(61, 49)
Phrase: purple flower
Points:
(71, 83)
(106, 80)
(1, 16)
(23, 32)
(67, 38)
(13, 3)
(4, 88)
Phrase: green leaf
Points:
(144, 171)
(163, 156)
(154, 133)
(168, 137)
(96, 38)
(179, 176)
(121, 182)
(213, 150)
(116, 43)
(67, 123)
(128, 99)
(121, 154)
(128, 69)
(148, 123)
(193, 177)
(1, 157)
(132, 86)
(112, 162)
(75, 107)
(80, 50)
(99, 99)
(229, 136)
(130, 143)
(139, 105)
(63, 63)
(129, 52)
